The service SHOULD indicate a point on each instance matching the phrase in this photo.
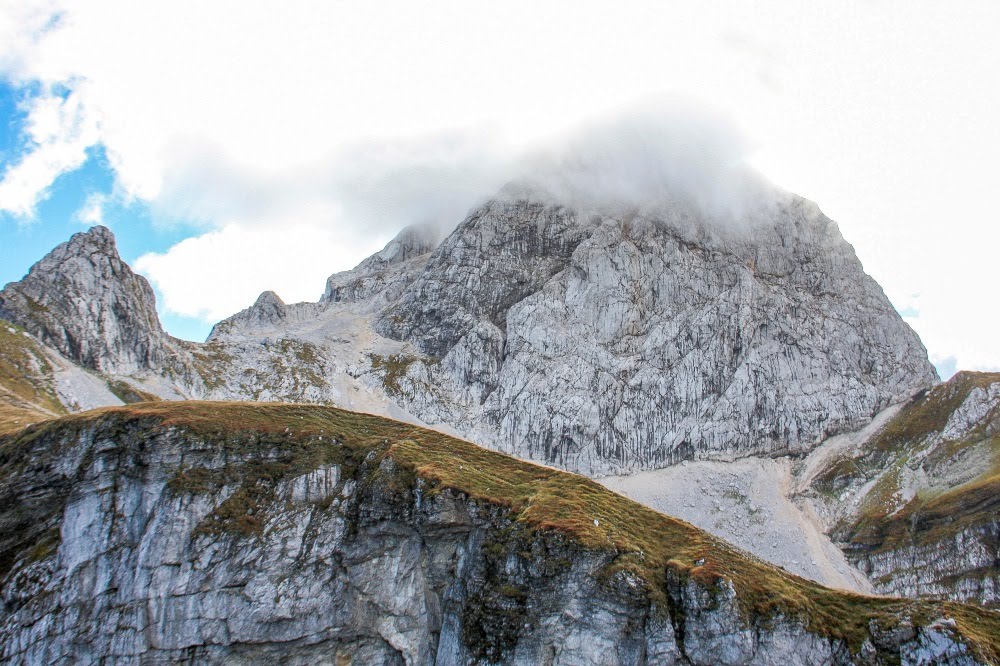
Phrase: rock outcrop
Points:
(85, 302)
(216, 533)
(267, 311)
(610, 342)
(386, 272)
(917, 505)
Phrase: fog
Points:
(644, 158)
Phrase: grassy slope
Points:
(26, 393)
(649, 545)
(884, 522)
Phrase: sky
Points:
(235, 147)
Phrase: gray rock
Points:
(268, 310)
(84, 301)
(166, 546)
(605, 343)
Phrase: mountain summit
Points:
(84, 301)
(600, 341)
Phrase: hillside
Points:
(917, 505)
(221, 531)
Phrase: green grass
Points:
(27, 393)
(129, 394)
(884, 522)
(282, 441)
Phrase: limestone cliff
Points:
(608, 342)
(224, 533)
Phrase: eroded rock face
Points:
(963, 565)
(501, 254)
(153, 545)
(84, 301)
(605, 343)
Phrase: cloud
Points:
(317, 217)
(58, 133)
(92, 210)
(219, 273)
(649, 156)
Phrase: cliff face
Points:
(219, 532)
(604, 343)
(917, 505)
(601, 342)
(85, 302)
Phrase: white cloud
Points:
(219, 273)
(59, 131)
(344, 116)
(92, 210)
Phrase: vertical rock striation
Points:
(85, 302)
(607, 342)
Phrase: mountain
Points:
(241, 533)
(85, 302)
(613, 342)
(607, 340)
(916, 504)
(597, 341)
(606, 343)
(603, 341)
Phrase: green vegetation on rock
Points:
(266, 444)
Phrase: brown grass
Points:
(637, 540)
(25, 373)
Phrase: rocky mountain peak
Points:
(388, 271)
(267, 310)
(83, 300)
(413, 241)
(98, 238)
(603, 341)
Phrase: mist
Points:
(646, 158)
(649, 158)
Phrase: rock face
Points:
(222, 534)
(605, 343)
(85, 302)
(917, 505)
(386, 272)
(598, 341)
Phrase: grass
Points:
(25, 371)
(661, 553)
(129, 394)
(883, 521)
(14, 418)
(928, 413)
(393, 369)
(27, 393)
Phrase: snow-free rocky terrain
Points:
(247, 533)
(748, 377)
